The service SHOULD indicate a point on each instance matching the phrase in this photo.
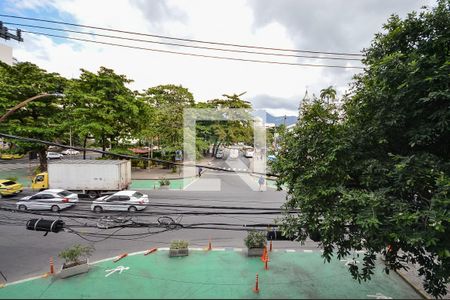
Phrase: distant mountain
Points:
(280, 120)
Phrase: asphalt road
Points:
(26, 253)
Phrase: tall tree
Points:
(167, 103)
(103, 107)
(230, 131)
(41, 118)
(378, 176)
(328, 94)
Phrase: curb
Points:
(205, 249)
(420, 292)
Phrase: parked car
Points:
(219, 154)
(249, 153)
(10, 187)
(70, 152)
(121, 201)
(51, 199)
(54, 155)
(234, 153)
(6, 156)
(271, 158)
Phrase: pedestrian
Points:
(261, 183)
(200, 171)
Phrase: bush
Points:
(256, 239)
(12, 178)
(164, 181)
(74, 253)
(179, 244)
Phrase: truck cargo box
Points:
(90, 175)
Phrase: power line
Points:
(32, 140)
(195, 54)
(180, 39)
(182, 45)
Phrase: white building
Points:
(6, 54)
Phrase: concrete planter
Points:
(178, 252)
(72, 270)
(255, 251)
(164, 187)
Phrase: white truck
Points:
(91, 177)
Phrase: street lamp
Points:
(25, 102)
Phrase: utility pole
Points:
(7, 36)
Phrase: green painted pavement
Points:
(23, 175)
(145, 184)
(215, 274)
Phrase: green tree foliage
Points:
(378, 173)
(167, 103)
(41, 118)
(101, 106)
(226, 132)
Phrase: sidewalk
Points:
(158, 172)
(220, 273)
(412, 277)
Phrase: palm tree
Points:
(328, 93)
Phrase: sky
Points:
(343, 26)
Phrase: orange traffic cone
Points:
(209, 245)
(151, 250)
(263, 256)
(256, 288)
(120, 257)
(52, 266)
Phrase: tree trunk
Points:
(103, 145)
(43, 160)
(84, 147)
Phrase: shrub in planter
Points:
(76, 261)
(164, 183)
(255, 242)
(179, 248)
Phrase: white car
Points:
(51, 199)
(70, 152)
(249, 153)
(219, 154)
(234, 153)
(121, 201)
(54, 155)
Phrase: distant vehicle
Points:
(51, 199)
(54, 155)
(219, 154)
(9, 187)
(249, 153)
(70, 152)
(234, 153)
(91, 177)
(6, 156)
(121, 201)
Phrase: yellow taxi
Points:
(9, 187)
(6, 156)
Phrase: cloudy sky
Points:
(340, 26)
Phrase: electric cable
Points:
(176, 38)
(181, 45)
(194, 54)
(33, 140)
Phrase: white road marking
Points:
(379, 296)
(119, 269)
